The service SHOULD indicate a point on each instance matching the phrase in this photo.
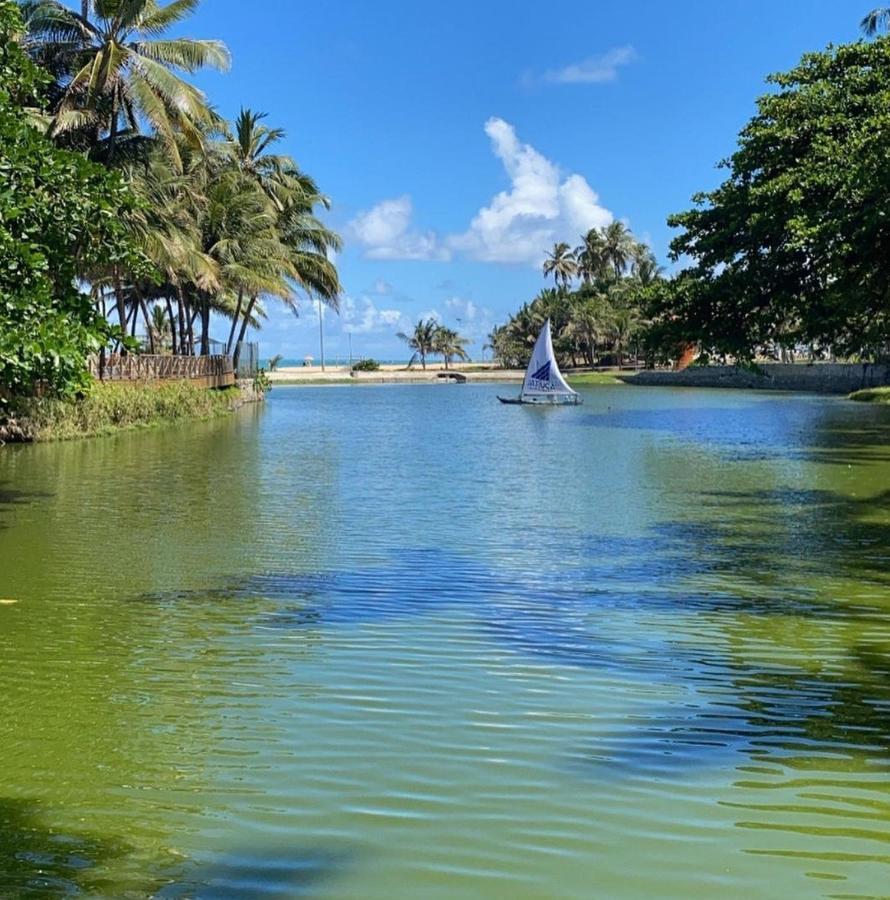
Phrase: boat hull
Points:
(542, 401)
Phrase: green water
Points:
(401, 642)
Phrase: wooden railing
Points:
(145, 367)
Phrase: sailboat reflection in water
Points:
(543, 382)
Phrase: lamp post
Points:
(321, 331)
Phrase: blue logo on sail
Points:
(540, 380)
(543, 374)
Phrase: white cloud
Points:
(594, 69)
(382, 287)
(363, 317)
(541, 207)
(386, 233)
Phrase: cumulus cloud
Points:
(541, 207)
(518, 225)
(386, 232)
(362, 316)
(594, 69)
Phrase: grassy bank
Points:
(592, 378)
(108, 408)
(872, 395)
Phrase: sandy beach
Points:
(392, 374)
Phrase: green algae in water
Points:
(636, 649)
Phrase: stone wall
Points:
(821, 378)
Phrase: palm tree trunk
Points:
(205, 326)
(135, 317)
(149, 330)
(234, 322)
(112, 131)
(193, 317)
(243, 333)
(173, 341)
(121, 305)
(183, 331)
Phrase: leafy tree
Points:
(794, 247)
(600, 320)
(60, 216)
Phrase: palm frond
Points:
(877, 20)
(188, 55)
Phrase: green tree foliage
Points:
(60, 215)
(430, 337)
(115, 69)
(601, 320)
(227, 222)
(561, 264)
(794, 246)
(422, 340)
(450, 344)
(876, 20)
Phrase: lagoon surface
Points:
(401, 642)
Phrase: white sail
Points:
(543, 381)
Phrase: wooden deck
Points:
(204, 371)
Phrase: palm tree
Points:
(644, 266)
(618, 246)
(877, 20)
(589, 323)
(276, 174)
(240, 233)
(626, 322)
(422, 340)
(561, 264)
(167, 227)
(590, 256)
(294, 196)
(114, 70)
(450, 344)
(159, 327)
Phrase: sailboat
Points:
(543, 382)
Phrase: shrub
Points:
(262, 384)
(366, 365)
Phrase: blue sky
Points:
(458, 141)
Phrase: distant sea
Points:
(333, 361)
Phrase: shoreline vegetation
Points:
(107, 409)
(872, 395)
(134, 218)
